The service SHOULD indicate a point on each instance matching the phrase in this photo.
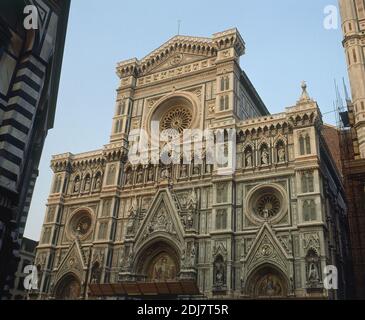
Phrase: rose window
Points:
(83, 225)
(80, 224)
(268, 206)
(267, 203)
(178, 119)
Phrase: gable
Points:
(176, 60)
(266, 249)
(162, 219)
(74, 261)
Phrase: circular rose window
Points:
(80, 223)
(268, 206)
(266, 203)
(178, 118)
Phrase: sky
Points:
(286, 43)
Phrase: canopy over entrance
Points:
(145, 289)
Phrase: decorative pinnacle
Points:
(305, 95)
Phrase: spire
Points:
(305, 95)
(347, 96)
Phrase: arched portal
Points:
(159, 262)
(68, 288)
(267, 282)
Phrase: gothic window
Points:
(51, 214)
(57, 184)
(221, 104)
(111, 175)
(248, 154)
(302, 145)
(121, 107)
(102, 230)
(222, 192)
(221, 219)
(305, 144)
(307, 182)
(118, 126)
(309, 210)
(308, 144)
(354, 55)
(46, 235)
(226, 103)
(106, 208)
(224, 83)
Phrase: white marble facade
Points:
(266, 230)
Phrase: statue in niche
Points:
(150, 174)
(242, 278)
(313, 269)
(98, 182)
(165, 173)
(313, 275)
(281, 153)
(130, 177)
(183, 258)
(192, 255)
(133, 215)
(184, 171)
(95, 273)
(77, 185)
(264, 156)
(219, 270)
(248, 158)
(196, 170)
(140, 176)
(87, 184)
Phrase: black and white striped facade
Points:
(30, 62)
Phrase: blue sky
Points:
(285, 44)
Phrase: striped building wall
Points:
(29, 75)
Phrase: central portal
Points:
(162, 268)
(159, 262)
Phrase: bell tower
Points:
(353, 27)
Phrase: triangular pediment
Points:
(162, 219)
(73, 261)
(266, 249)
(179, 50)
(177, 60)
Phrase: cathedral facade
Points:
(272, 227)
